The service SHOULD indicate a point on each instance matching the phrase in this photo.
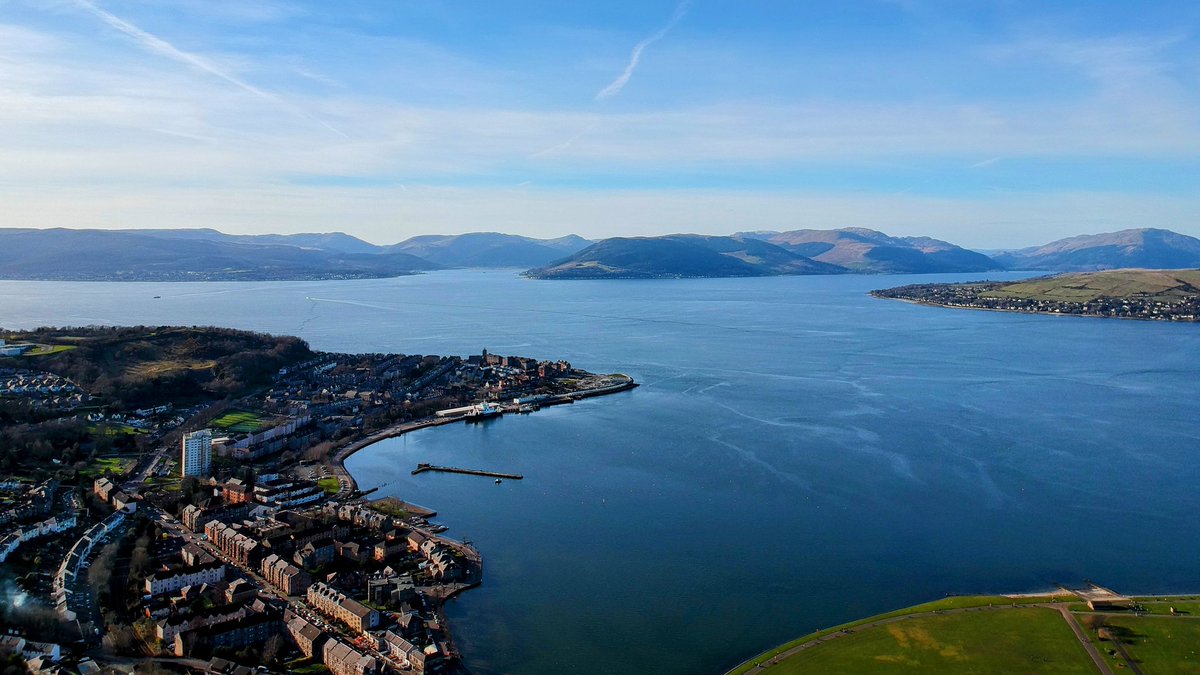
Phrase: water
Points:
(799, 454)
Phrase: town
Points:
(226, 537)
(989, 295)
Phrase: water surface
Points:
(799, 454)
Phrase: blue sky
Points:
(990, 124)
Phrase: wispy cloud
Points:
(985, 163)
(635, 56)
(155, 44)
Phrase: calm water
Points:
(799, 454)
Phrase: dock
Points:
(421, 468)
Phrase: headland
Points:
(1150, 295)
(212, 460)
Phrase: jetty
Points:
(421, 468)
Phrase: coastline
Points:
(443, 593)
(350, 485)
(1022, 311)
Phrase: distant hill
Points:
(490, 249)
(182, 255)
(686, 255)
(327, 241)
(863, 250)
(1144, 248)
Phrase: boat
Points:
(482, 411)
(498, 481)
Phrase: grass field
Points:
(239, 421)
(953, 602)
(1006, 640)
(153, 369)
(1158, 644)
(996, 634)
(1162, 285)
(46, 350)
(330, 485)
(117, 464)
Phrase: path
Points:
(1097, 657)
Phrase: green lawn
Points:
(1009, 640)
(239, 421)
(330, 485)
(46, 350)
(953, 602)
(116, 464)
(1159, 644)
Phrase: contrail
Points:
(160, 46)
(618, 84)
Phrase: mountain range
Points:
(862, 250)
(681, 255)
(205, 254)
(1145, 248)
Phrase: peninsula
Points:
(188, 485)
(1082, 629)
(1153, 295)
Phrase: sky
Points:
(990, 124)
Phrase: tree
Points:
(272, 649)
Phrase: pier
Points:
(421, 468)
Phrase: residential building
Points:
(196, 456)
(342, 659)
(172, 579)
(335, 604)
(309, 638)
(288, 578)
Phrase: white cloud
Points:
(635, 56)
(160, 46)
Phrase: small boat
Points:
(498, 481)
(157, 297)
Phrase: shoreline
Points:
(349, 486)
(338, 461)
(943, 305)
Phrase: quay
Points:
(421, 468)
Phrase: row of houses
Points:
(361, 516)
(238, 633)
(236, 546)
(337, 605)
(171, 579)
(33, 503)
(12, 540)
(441, 561)
(281, 574)
(339, 657)
(62, 588)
